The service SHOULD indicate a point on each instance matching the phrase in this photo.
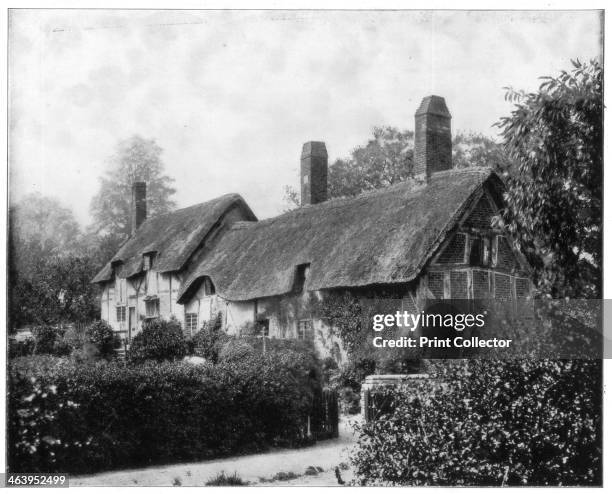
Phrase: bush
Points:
(223, 479)
(49, 340)
(159, 340)
(235, 350)
(209, 341)
(103, 338)
(69, 417)
(490, 423)
(21, 348)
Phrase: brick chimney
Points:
(432, 137)
(139, 205)
(313, 173)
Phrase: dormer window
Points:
(300, 277)
(148, 261)
(209, 288)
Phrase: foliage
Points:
(40, 227)
(350, 315)
(159, 340)
(209, 341)
(236, 350)
(49, 340)
(104, 339)
(136, 159)
(224, 479)
(554, 197)
(69, 417)
(485, 422)
(49, 273)
(20, 348)
(387, 158)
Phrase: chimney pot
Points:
(432, 137)
(139, 205)
(313, 173)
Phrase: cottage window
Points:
(209, 288)
(305, 330)
(300, 277)
(121, 313)
(152, 307)
(191, 322)
(480, 251)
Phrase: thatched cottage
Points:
(427, 238)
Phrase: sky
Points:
(231, 96)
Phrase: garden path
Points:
(250, 468)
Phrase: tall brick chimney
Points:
(432, 137)
(313, 173)
(139, 205)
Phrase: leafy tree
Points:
(387, 158)
(136, 159)
(554, 196)
(49, 273)
(40, 227)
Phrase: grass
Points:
(223, 479)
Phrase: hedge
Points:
(523, 422)
(82, 418)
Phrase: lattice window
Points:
(305, 330)
(435, 283)
(503, 287)
(459, 284)
(121, 313)
(191, 323)
(522, 287)
(480, 284)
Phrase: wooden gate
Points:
(324, 415)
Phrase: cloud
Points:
(232, 95)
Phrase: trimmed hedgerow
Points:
(76, 418)
(486, 422)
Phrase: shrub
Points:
(490, 423)
(49, 340)
(69, 417)
(209, 341)
(236, 349)
(159, 340)
(103, 338)
(223, 479)
(21, 348)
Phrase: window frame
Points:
(154, 301)
(303, 332)
(120, 313)
(189, 325)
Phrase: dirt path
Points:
(325, 455)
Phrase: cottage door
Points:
(131, 323)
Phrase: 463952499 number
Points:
(35, 480)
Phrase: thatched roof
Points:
(172, 236)
(385, 236)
